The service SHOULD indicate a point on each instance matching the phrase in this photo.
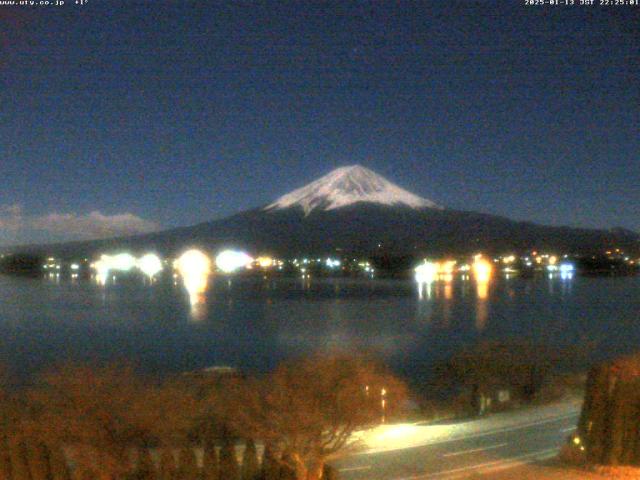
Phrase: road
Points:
(462, 450)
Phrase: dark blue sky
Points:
(173, 112)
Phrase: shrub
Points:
(59, 466)
(187, 464)
(210, 464)
(228, 462)
(609, 424)
(39, 461)
(329, 473)
(270, 465)
(572, 455)
(19, 461)
(167, 464)
(250, 468)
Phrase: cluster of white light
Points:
(194, 267)
(52, 264)
(332, 262)
(229, 261)
(567, 270)
(567, 267)
(426, 272)
(193, 262)
(150, 264)
(429, 272)
(122, 262)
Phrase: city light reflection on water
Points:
(194, 267)
(444, 284)
(243, 317)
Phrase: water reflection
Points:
(482, 290)
(195, 267)
(566, 275)
(482, 304)
(425, 275)
(424, 288)
(198, 302)
(448, 289)
(252, 326)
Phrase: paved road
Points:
(494, 444)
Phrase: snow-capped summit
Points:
(348, 185)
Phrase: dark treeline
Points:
(80, 422)
(22, 264)
(386, 265)
(494, 375)
(609, 426)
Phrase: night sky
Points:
(125, 116)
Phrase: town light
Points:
(332, 263)
(566, 267)
(264, 262)
(150, 264)
(482, 269)
(102, 270)
(123, 262)
(231, 260)
(426, 272)
(446, 268)
(566, 270)
(194, 267)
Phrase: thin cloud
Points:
(93, 225)
(11, 218)
(88, 226)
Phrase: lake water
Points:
(253, 323)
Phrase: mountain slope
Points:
(354, 210)
(346, 186)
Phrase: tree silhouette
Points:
(187, 464)
(19, 461)
(310, 407)
(250, 467)
(105, 411)
(145, 469)
(39, 461)
(609, 425)
(210, 462)
(229, 469)
(167, 465)
(270, 464)
(59, 466)
(5, 459)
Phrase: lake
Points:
(253, 323)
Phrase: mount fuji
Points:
(347, 186)
(353, 210)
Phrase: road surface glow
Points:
(355, 469)
(460, 449)
(474, 450)
(493, 466)
(386, 438)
